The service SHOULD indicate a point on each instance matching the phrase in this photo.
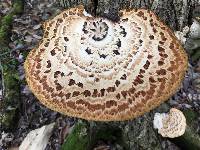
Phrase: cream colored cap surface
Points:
(96, 69)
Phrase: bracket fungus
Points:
(170, 125)
(96, 69)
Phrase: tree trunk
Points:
(138, 133)
(175, 13)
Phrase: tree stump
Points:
(137, 133)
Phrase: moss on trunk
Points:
(78, 139)
(85, 136)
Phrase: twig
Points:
(2, 79)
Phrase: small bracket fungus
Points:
(96, 69)
(170, 125)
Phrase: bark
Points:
(175, 13)
(139, 133)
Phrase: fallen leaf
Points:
(37, 139)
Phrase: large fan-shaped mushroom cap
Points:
(96, 69)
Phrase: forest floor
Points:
(26, 33)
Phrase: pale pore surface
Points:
(96, 69)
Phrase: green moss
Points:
(8, 118)
(10, 80)
(78, 139)
(6, 22)
(190, 139)
(196, 55)
(5, 29)
(12, 88)
(190, 115)
(11, 101)
(108, 133)
(85, 136)
(18, 6)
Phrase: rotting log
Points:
(10, 85)
(139, 133)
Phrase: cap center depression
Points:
(98, 30)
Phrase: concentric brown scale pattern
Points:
(96, 69)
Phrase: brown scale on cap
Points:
(95, 69)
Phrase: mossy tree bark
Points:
(8, 71)
(139, 133)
